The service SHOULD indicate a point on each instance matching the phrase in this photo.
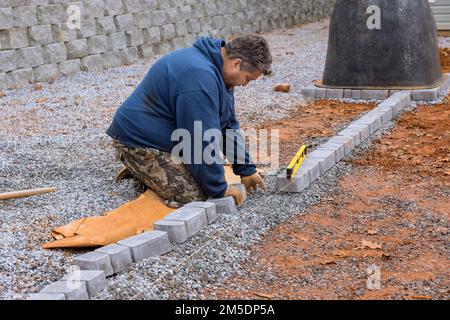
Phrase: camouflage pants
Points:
(154, 168)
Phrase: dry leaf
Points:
(371, 245)
(327, 262)
(2, 94)
(341, 254)
(264, 295)
(304, 238)
(420, 297)
(442, 229)
(42, 100)
(372, 231)
(37, 87)
(282, 87)
(386, 256)
(420, 133)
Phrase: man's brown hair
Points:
(254, 52)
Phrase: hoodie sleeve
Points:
(202, 105)
(243, 165)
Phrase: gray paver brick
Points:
(425, 95)
(47, 296)
(95, 280)
(71, 289)
(347, 142)
(313, 167)
(299, 182)
(225, 205)
(309, 92)
(195, 218)
(335, 93)
(364, 130)
(374, 94)
(321, 93)
(210, 208)
(148, 244)
(339, 147)
(328, 157)
(354, 134)
(95, 261)
(120, 256)
(176, 230)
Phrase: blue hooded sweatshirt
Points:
(183, 87)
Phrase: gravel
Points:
(444, 42)
(55, 136)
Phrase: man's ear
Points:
(237, 64)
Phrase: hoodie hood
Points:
(211, 47)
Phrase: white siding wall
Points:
(441, 10)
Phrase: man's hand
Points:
(236, 193)
(253, 181)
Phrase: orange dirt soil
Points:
(312, 122)
(391, 212)
(445, 59)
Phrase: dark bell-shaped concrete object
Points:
(378, 44)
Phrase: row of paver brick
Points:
(334, 150)
(335, 93)
(95, 266)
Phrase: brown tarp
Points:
(129, 219)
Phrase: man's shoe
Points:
(123, 174)
(173, 204)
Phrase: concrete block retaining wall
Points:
(40, 39)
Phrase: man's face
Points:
(233, 76)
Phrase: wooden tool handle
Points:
(25, 193)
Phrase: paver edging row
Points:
(95, 266)
(432, 94)
(328, 154)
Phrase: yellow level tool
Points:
(296, 162)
